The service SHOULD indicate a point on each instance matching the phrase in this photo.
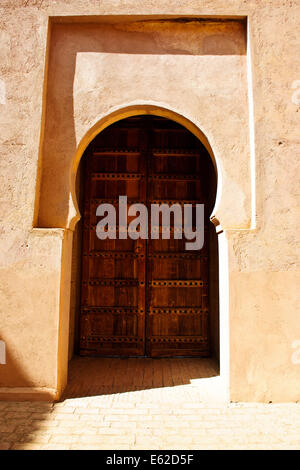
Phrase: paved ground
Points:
(169, 416)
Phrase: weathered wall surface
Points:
(191, 68)
(47, 106)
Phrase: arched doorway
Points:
(145, 297)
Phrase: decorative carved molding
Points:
(115, 310)
(191, 311)
(114, 282)
(177, 339)
(176, 283)
(117, 176)
(114, 254)
(110, 339)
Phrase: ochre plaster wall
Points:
(194, 69)
(50, 98)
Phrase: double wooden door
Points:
(145, 296)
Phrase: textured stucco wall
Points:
(194, 69)
(258, 158)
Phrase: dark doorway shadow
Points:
(89, 376)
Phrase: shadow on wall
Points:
(19, 422)
(143, 38)
(14, 375)
(20, 384)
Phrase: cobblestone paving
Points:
(149, 417)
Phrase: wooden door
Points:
(177, 296)
(143, 297)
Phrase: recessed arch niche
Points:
(78, 175)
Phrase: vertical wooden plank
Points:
(177, 326)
